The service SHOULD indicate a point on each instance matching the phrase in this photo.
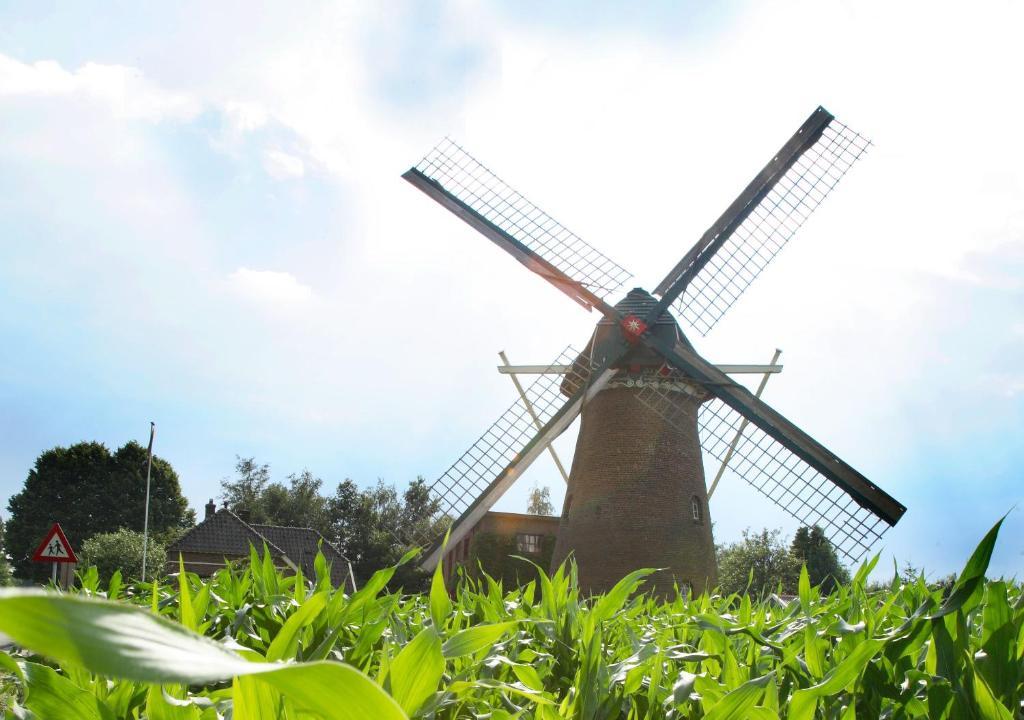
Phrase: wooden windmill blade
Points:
(482, 474)
(761, 220)
(779, 459)
(460, 183)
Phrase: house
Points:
(223, 535)
(492, 543)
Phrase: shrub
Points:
(122, 550)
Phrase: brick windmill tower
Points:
(636, 495)
(650, 403)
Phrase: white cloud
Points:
(283, 166)
(272, 286)
(125, 90)
(245, 116)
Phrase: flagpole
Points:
(145, 522)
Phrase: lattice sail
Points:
(503, 442)
(773, 221)
(775, 472)
(470, 182)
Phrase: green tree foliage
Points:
(763, 561)
(540, 502)
(295, 504)
(810, 547)
(122, 550)
(757, 564)
(5, 561)
(89, 490)
(375, 526)
(372, 527)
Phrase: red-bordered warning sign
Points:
(55, 548)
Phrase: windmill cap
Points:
(639, 302)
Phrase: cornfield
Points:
(249, 643)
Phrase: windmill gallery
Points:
(650, 404)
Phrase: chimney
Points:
(243, 514)
(210, 510)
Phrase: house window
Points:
(528, 544)
(695, 507)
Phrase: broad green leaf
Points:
(977, 564)
(114, 586)
(761, 713)
(804, 589)
(470, 640)
(113, 639)
(528, 676)
(254, 700)
(54, 696)
(813, 654)
(989, 707)
(865, 569)
(683, 687)
(287, 640)
(461, 686)
(970, 583)
(612, 601)
(335, 691)
(737, 703)
(440, 603)
(416, 670)
(185, 612)
(8, 664)
(121, 641)
(804, 702)
(159, 708)
(998, 642)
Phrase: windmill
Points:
(649, 402)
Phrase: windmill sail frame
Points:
(469, 190)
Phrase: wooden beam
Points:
(563, 369)
(533, 414)
(739, 433)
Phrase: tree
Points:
(90, 490)
(5, 561)
(540, 502)
(297, 504)
(374, 527)
(810, 547)
(245, 493)
(758, 564)
(122, 550)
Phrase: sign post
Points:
(55, 549)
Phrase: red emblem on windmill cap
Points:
(55, 548)
(633, 327)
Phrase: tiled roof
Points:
(224, 532)
(301, 546)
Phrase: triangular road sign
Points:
(55, 548)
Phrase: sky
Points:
(203, 224)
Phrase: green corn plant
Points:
(249, 642)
